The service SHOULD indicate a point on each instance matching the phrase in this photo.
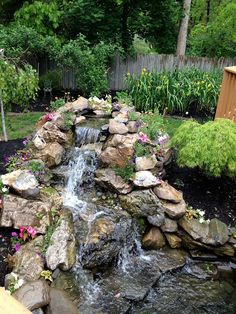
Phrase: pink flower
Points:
(31, 231)
(48, 117)
(17, 247)
(143, 137)
(14, 234)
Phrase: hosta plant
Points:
(211, 147)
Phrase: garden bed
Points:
(8, 149)
(217, 196)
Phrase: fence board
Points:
(134, 65)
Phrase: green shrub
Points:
(177, 92)
(153, 124)
(57, 103)
(141, 149)
(125, 172)
(211, 146)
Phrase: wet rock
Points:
(104, 240)
(174, 211)
(153, 239)
(66, 281)
(112, 156)
(23, 182)
(79, 120)
(145, 179)
(28, 261)
(133, 126)
(107, 178)
(225, 272)
(201, 270)
(33, 295)
(51, 154)
(61, 252)
(198, 231)
(225, 249)
(122, 141)
(18, 212)
(218, 233)
(145, 163)
(169, 225)
(117, 127)
(173, 240)
(203, 255)
(157, 220)
(135, 283)
(39, 142)
(169, 259)
(141, 203)
(60, 303)
(168, 193)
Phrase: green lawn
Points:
(171, 124)
(20, 125)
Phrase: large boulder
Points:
(118, 149)
(76, 106)
(168, 193)
(121, 117)
(143, 204)
(153, 239)
(107, 178)
(145, 163)
(198, 231)
(28, 262)
(61, 251)
(133, 126)
(18, 212)
(23, 182)
(33, 295)
(51, 154)
(50, 133)
(116, 127)
(218, 232)
(173, 240)
(60, 303)
(169, 225)
(174, 211)
(104, 240)
(145, 179)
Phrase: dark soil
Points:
(217, 196)
(5, 249)
(8, 149)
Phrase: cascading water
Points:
(128, 283)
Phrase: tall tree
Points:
(183, 31)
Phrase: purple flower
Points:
(5, 159)
(14, 234)
(17, 247)
(25, 142)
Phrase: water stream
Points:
(131, 281)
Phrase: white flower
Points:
(19, 284)
(186, 112)
(14, 275)
(200, 212)
(201, 220)
(4, 189)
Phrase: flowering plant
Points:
(48, 117)
(26, 233)
(3, 188)
(197, 213)
(143, 138)
(15, 283)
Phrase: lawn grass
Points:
(20, 125)
(172, 124)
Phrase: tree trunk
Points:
(183, 31)
(3, 120)
(208, 10)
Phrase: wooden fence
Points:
(134, 65)
(226, 107)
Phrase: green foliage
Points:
(123, 98)
(211, 146)
(153, 124)
(125, 172)
(177, 92)
(133, 116)
(54, 223)
(141, 149)
(91, 64)
(52, 78)
(214, 36)
(17, 85)
(56, 104)
(42, 17)
(68, 120)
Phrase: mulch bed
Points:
(8, 149)
(5, 249)
(217, 196)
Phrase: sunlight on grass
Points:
(20, 125)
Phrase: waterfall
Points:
(85, 135)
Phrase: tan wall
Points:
(9, 305)
(226, 107)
